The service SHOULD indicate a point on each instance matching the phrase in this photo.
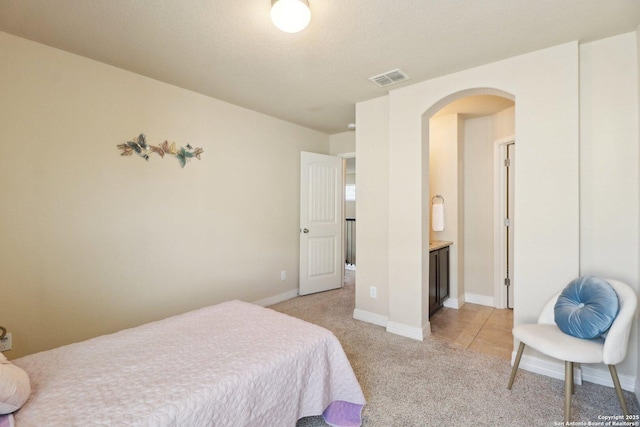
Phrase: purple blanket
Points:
(6, 420)
(343, 414)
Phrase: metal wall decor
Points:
(140, 146)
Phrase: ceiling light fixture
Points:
(290, 16)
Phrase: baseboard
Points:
(452, 303)
(470, 298)
(406, 330)
(426, 329)
(393, 327)
(277, 298)
(546, 367)
(603, 377)
(367, 316)
(479, 299)
(555, 369)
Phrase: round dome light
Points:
(290, 16)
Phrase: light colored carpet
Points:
(408, 383)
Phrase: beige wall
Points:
(445, 166)
(638, 83)
(481, 135)
(609, 191)
(504, 124)
(638, 141)
(92, 242)
(561, 94)
(537, 80)
(372, 201)
(342, 143)
(478, 212)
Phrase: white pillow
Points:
(14, 386)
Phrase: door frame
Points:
(344, 157)
(499, 234)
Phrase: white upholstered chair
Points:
(547, 338)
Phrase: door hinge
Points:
(507, 282)
(507, 162)
(507, 222)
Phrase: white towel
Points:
(437, 217)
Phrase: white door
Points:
(321, 259)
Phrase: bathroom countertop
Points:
(438, 244)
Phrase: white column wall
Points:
(406, 228)
(609, 191)
(638, 141)
(545, 86)
(372, 205)
(549, 117)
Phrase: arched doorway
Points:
(459, 137)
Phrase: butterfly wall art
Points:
(143, 149)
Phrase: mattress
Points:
(232, 364)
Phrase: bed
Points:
(231, 364)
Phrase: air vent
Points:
(389, 78)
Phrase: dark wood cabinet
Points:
(438, 278)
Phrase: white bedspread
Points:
(232, 364)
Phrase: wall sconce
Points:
(290, 16)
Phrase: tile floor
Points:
(475, 327)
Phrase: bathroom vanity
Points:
(438, 274)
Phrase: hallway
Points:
(475, 327)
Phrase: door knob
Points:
(305, 230)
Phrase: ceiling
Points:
(230, 50)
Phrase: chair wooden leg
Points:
(568, 380)
(616, 384)
(515, 365)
